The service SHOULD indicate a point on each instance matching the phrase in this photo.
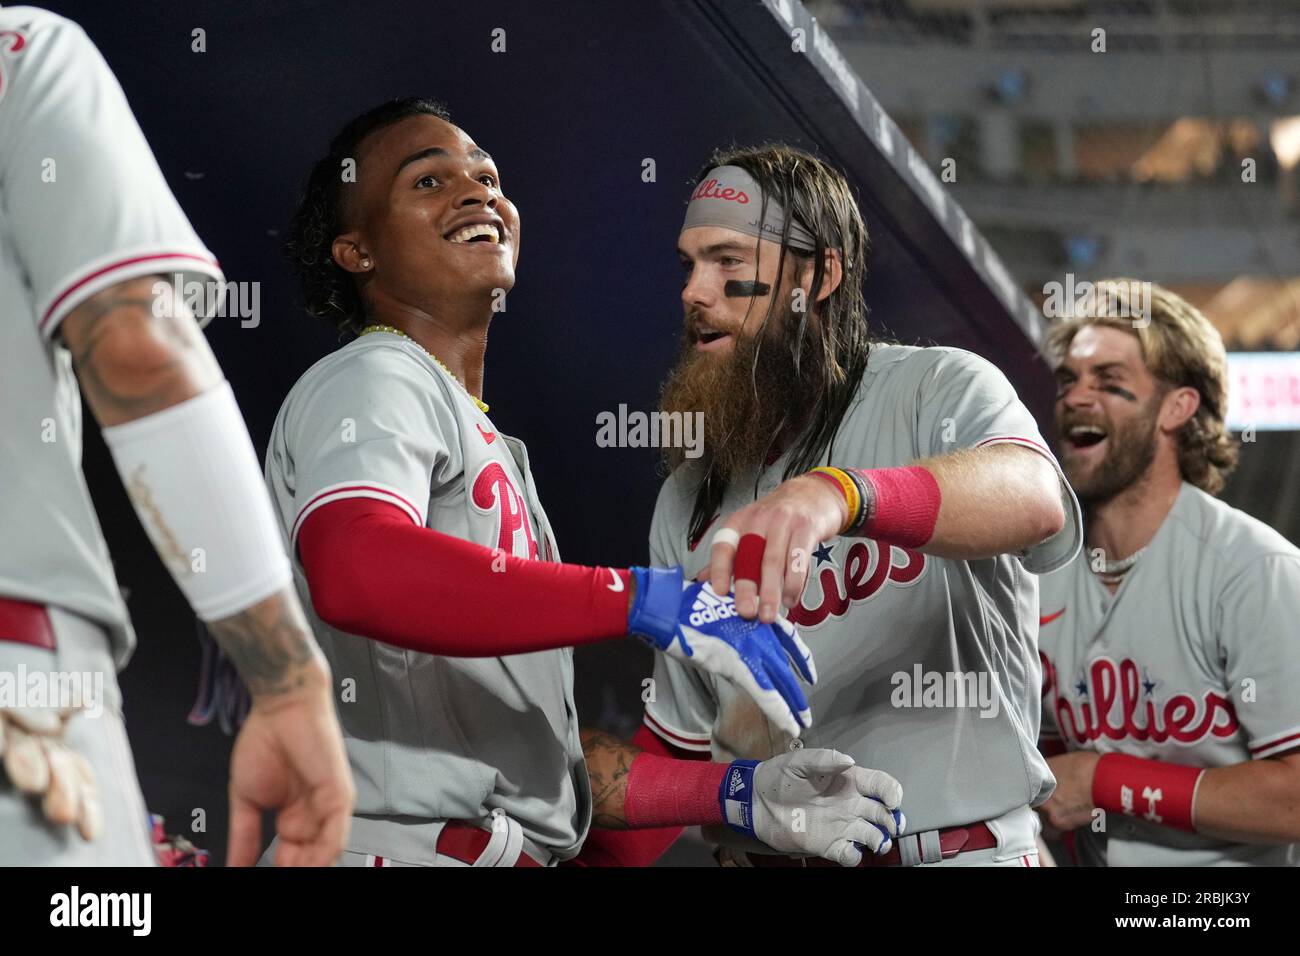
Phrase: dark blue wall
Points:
(584, 93)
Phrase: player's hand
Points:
(696, 625)
(289, 756)
(770, 569)
(1070, 806)
(814, 802)
(40, 764)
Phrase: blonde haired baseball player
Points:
(1170, 651)
(88, 228)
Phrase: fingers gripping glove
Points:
(694, 624)
(39, 764)
(813, 802)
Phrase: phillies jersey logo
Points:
(1114, 701)
(868, 566)
(494, 493)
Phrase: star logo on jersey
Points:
(823, 554)
(488, 437)
(1116, 701)
(864, 571)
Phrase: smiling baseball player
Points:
(1170, 650)
(908, 559)
(433, 574)
(89, 237)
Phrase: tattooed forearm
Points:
(137, 350)
(270, 645)
(609, 761)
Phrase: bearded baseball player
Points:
(1170, 653)
(432, 572)
(90, 237)
(898, 501)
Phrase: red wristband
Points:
(1159, 792)
(906, 505)
(663, 792)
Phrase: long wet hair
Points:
(818, 196)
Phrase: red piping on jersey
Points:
(120, 264)
(1269, 746)
(674, 738)
(343, 489)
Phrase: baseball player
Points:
(898, 500)
(1170, 652)
(89, 237)
(432, 572)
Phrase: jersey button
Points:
(796, 744)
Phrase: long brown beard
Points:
(747, 413)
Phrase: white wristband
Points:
(195, 482)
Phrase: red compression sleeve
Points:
(374, 573)
(637, 847)
(663, 792)
(906, 505)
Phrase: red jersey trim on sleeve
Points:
(100, 275)
(1287, 740)
(354, 489)
(696, 742)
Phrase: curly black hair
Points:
(328, 291)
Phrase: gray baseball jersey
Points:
(1194, 660)
(83, 206)
(928, 666)
(433, 738)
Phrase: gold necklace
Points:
(396, 331)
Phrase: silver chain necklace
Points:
(1112, 572)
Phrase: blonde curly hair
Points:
(1181, 348)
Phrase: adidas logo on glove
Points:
(736, 783)
(709, 609)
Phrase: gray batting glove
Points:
(817, 802)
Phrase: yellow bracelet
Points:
(849, 488)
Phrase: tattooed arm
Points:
(138, 351)
(609, 761)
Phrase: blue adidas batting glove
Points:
(696, 625)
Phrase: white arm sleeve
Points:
(196, 484)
